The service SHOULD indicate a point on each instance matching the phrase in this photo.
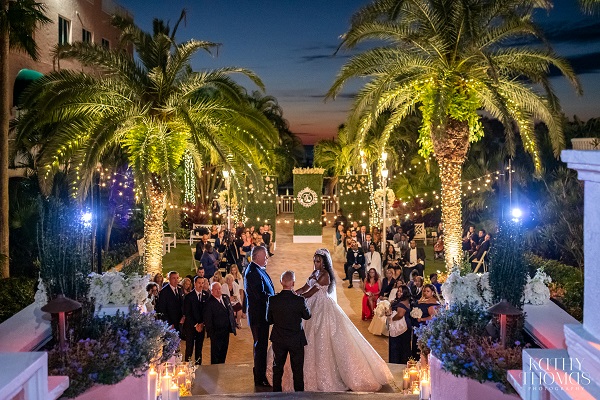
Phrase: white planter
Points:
(111, 310)
(130, 388)
(445, 386)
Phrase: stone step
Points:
(57, 386)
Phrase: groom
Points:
(286, 311)
(258, 287)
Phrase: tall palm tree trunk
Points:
(4, 119)
(450, 174)
(451, 147)
(153, 230)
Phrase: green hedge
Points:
(15, 295)
(307, 220)
(262, 207)
(567, 283)
(353, 192)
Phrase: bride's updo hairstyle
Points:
(327, 266)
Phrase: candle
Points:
(174, 392)
(414, 375)
(152, 380)
(425, 389)
(165, 384)
(181, 378)
(406, 381)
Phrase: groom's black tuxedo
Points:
(286, 311)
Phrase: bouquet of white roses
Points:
(383, 308)
(416, 313)
(117, 288)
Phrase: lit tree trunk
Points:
(153, 230)
(4, 119)
(450, 148)
(450, 175)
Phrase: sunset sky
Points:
(290, 45)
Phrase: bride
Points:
(337, 357)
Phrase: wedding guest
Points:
(340, 235)
(371, 292)
(239, 279)
(200, 271)
(428, 305)
(219, 323)
(438, 248)
(434, 281)
(169, 306)
(373, 258)
(193, 326)
(355, 262)
(232, 289)
(392, 260)
(397, 286)
(160, 281)
(387, 284)
(416, 287)
(186, 285)
(201, 246)
(440, 229)
(217, 277)
(340, 219)
(399, 346)
(414, 260)
(152, 290)
(209, 260)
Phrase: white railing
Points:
(285, 205)
(113, 8)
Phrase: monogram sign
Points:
(307, 197)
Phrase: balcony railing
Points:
(285, 205)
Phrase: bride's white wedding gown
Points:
(337, 357)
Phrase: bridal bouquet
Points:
(416, 313)
(383, 308)
(117, 288)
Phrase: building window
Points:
(86, 36)
(105, 43)
(64, 30)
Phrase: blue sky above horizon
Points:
(290, 44)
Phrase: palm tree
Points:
(449, 59)
(18, 20)
(152, 108)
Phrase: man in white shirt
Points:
(414, 260)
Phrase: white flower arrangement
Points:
(416, 313)
(536, 289)
(41, 296)
(223, 194)
(476, 288)
(383, 308)
(378, 197)
(117, 289)
(308, 171)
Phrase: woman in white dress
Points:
(373, 259)
(337, 357)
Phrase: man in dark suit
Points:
(258, 287)
(169, 306)
(286, 311)
(355, 262)
(414, 260)
(219, 323)
(193, 326)
(483, 247)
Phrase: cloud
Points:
(582, 31)
(582, 64)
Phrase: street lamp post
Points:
(228, 186)
(384, 175)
